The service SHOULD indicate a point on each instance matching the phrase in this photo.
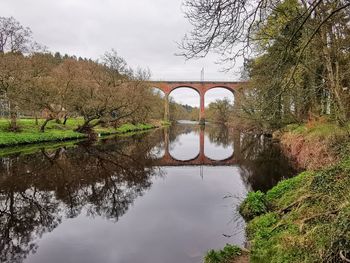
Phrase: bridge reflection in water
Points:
(201, 159)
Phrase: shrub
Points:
(254, 205)
(225, 255)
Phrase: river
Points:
(163, 196)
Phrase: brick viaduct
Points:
(200, 86)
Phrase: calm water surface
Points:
(165, 196)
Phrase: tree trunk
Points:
(13, 123)
(65, 119)
(333, 80)
(42, 128)
(36, 119)
(85, 128)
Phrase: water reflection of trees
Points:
(220, 135)
(181, 129)
(37, 191)
(262, 162)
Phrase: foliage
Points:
(254, 205)
(226, 255)
(296, 53)
(220, 111)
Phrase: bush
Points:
(226, 255)
(254, 205)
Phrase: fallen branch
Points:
(341, 254)
(305, 220)
(297, 202)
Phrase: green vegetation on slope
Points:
(305, 218)
(226, 255)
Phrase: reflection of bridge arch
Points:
(188, 160)
(201, 158)
(200, 86)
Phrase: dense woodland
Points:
(297, 56)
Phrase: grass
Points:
(225, 255)
(254, 205)
(125, 128)
(29, 131)
(305, 218)
(319, 130)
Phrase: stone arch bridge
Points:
(199, 86)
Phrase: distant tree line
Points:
(220, 111)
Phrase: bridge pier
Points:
(201, 143)
(166, 107)
(202, 108)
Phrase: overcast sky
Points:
(144, 32)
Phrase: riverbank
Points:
(305, 218)
(29, 131)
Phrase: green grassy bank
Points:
(229, 254)
(29, 132)
(305, 218)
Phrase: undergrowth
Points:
(314, 145)
(225, 255)
(307, 218)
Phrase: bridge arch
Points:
(185, 95)
(184, 87)
(220, 87)
(200, 86)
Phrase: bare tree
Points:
(229, 27)
(13, 36)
